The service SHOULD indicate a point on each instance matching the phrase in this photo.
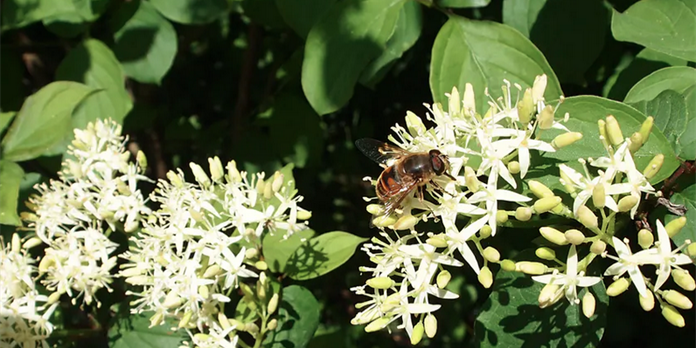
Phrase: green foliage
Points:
(687, 197)
(134, 331)
(10, 177)
(191, 11)
(298, 318)
(322, 254)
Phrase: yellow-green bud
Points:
(540, 190)
(185, 319)
(485, 277)
(603, 137)
(574, 237)
(627, 203)
(414, 124)
(278, 180)
(567, 184)
(471, 180)
(273, 303)
(645, 238)
(618, 287)
(683, 279)
(251, 328)
(514, 167)
(232, 172)
(469, 99)
(174, 179)
(485, 232)
(599, 195)
(525, 107)
(157, 319)
(212, 271)
(199, 174)
(215, 166)
(654, 166)
(545, 204)
(545, 118)
(443, 278)
(222, 319)
(406, 222)
(261, 265)
(545, 253)
(303, 214)
(549, 295)
(438, 240)
(646, 128)
(203, 291)
(531, 268)
(614, 131)
(491, 254)
(523, 213)
(380, 283)
(508, 265)
(171, 300)
(587, 218)
(675, 226)
(260, 185)
(598, 247)
(672, 315)
(635, 142)
(417, 333)
(588, 304)
(268, 190)
(538, 88)
(272, 324)
(647, 302)
(246, 290)
(384, 220)
(677, 299)
(553, 235)
(430, 325)
(374, 209)
(141, 159)
(501, 216)
(53, 297)
(565, 139)
(32, 242)
(251, 253)
(691, 250)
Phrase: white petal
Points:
(638, 281)
(523, 157)
(664, 243)
(617, 269)
(417, 308)
(442, 293)
(572, 263)
(588, 281)
(509, 196)
(469, 256)
(546, 278)
(663, 273)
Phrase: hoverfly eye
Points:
(437, 162)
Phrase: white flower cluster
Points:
(97, 188)
(24, 313)
(193, 249)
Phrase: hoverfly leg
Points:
(450, 176)
(440, 188)
(420, 191)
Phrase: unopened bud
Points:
(382, 322)
(438, 240)
(647, 302)
(525, 107)
(303, 214)
(677, 299)
(654, 166)
(645, 239)
(199, 174)
(599, 195)
(545, 253)
(672, 315)
(531, 268)
(471, 181)
(501, 216)
(485, 277)
(384, 220)
(553, 235)
(32, 242)
(405, 222)
(204, 291)
(246, 290)
(618, 287)
(627, 203)
(485, 232)
(415, 124)
(691, 250)
(232, 172)
(565, 139)
(540, 190)
(261, 265)
(538, 88)
(614, 131)
(156, 319)
(545, 204)
(272, 324)
(185, 319)
(174, 179)
(574, 237)
(491, 254)
(603, 137)
(251, 253)
(683, 279)
(172, 300)
(469, 99)
(523, 213)
(635, 142)
(588, 304)
(54, 297)
(260, 185)
(380, 283)
(646, 128)
(417, 333)
(430, 324)
(216, 171)
(443, 278)
(278, 180)
(675, 226)
(545, 118)
(549, 295)
(598, 247)
(251, 328)
(514, 167)
(212, 271)
(567, 184)
(508, 265)
(587, 218)
(268, 190)
(273, 303)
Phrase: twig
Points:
(249, 62)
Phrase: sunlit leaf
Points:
(298, 319)
(322, 254)
(10, 178)
(191, 11)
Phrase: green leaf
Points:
(511, 317)
(44, 120)
(667, 26)
(321, 255)
(462, 3)
(644, 63)
(133, 331)
(20, 13)
(301, 15)
(406, 33)
(677, 78)
(670, 113)
(277, 251)
(484, 53)
(66, 25)
(298, 319)
(10, 177)
(92, 63)
(5, 118)
(341, 45)
(686, 197)
(145, 42)
(688, 138)
(522, 14)
(585, 111)
(191, 11)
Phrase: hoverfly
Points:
(404, 171)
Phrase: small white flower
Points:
(628, 262)
(637, 183)
(586, 187)
(569, 280)
(663, 256)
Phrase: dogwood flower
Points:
(586, 186)
(570, 280)
(629, 262)
(664, 257)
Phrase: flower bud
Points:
(246, 290)
(374, 209)
(384, 220)
(430, 325)
(491, 254)
(53, 297)
(185, 319)
(549, 295)
(199, 174)
(47, 262)
(251, 328)
(567, 184)
(635, 142)
(599, 195)
(618, 287)
(485, 277)
(553, 235)
(531, 268)
(438, 240)
(469, 99)
(222, 319)
(32, 242)
(273, 303)
(303, 214)
(212, 271)
(485, 232)
(508, 265)
(278, 180)
(251, 253)
(545, 253)
(538, 88)
(525, 107)
(654, 166)
(472, 182)
(260, 185)
(501, 216)
(268, 190)
(565, 139)
(540, 190)
(405, 222)
(233, 174)
(677, 299)
(514, 167)
(587, 218)
(683, 279)
(523, 213)
(691, 250)
(588, 304)
(172, 300)
(545, 118)
(646, 128)
(645, 238)
(614, 131)
(157, 319)
(261, 265)
(415, 124)
(272, 324)
(672, 315)
(216, 171)
(603, 137)
(417, 333)
(647, 302)
(627, 203)
(203, 291)
(382, 322)
(380, 283)
(174, 179)
(598, 247)
(675, 226)
(443, 278)
(545, 204)
(574, 237)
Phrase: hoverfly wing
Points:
(396, 198)
(379, 151)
